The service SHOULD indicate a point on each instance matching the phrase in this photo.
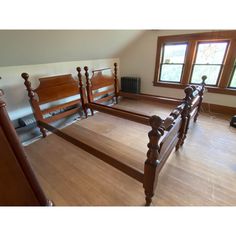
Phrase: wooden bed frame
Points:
(18, 184)
(165, 135)
(110, 87)
(109, 84)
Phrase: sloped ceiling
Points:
(26, 47)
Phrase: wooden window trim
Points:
(221, 65)
(192, 40)
(183, 64)
(231, 77)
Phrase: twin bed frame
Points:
(165, 134)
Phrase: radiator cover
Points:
(130, 84)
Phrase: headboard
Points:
(18, 184)
(52, 89)
(100, 81)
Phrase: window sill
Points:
(210, 89)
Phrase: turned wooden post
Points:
(21, 160)
(88, 87)
(116, 82)
(33, 102)
(201, 92)
(82, 92)
(153, 157)
(185, 116)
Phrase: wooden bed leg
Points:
(185, 117)
(82, 92)
(43, 131)
(88, 88)
(201, 97)
(151, 164)
(183, 130)
(116, 83)
(34, 103)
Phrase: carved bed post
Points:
(150, 167)
(33, 102)
(116, 82)
(88, 87)
(82, 92)
(204, 77)
(20, 156)
(185, 116)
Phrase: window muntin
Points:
(172, 62)
(233, 79)
(209, 61)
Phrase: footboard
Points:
(163, 138)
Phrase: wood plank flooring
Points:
(203, 172)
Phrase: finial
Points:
(204, 77)
(86, 74)
(25, 76)
(155, 121)
(86, 68)
(168, 122)
(188, 91)
(115, 69)
(27, 83)
(78, 69)
(79, 76)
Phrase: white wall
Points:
(139, 60)
(13, 85)
(27, 47)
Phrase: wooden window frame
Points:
(183, 64)
(231, 77)
(192, 41)
(221, 65)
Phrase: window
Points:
(184, 59)
(172, 62)
(209, 61)
(233, 79)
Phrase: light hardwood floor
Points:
(202, 172)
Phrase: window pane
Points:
(233, 81)
(171, 73)
(211, 72)
(210, 53)
(174, 53)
